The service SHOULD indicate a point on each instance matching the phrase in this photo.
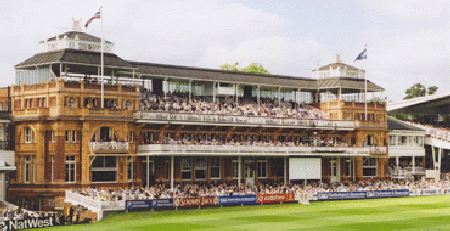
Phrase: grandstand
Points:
(169, 126)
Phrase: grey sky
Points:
(408, 39)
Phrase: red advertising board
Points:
(196, 201)
(271, 198)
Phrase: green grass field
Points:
(413, 213)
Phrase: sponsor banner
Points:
(139, 204)
(270, 198)
(428, 192)
(388, 193)
(30, 223)
(341, 195)
(196, 201)
(238, 200)
(160, 203)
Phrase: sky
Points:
(408, 40)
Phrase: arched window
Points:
(71, 102)
(28, 134)
(128, 104)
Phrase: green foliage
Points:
(253, 68)
(432, 90)
(400, 116)
(419, 90)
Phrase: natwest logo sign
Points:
(30, 223)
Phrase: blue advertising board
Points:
(139, 204)
(388, 193)
(161, 203)
(341, 196)
(238, 200)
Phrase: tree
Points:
(432, 90)
(253, 68)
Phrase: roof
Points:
(344, 82)
(395, 124)
(431, 105)
(166, 70)
(74, 56)
(81, 35)
(336, 65)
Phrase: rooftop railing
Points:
(199, 149)
(240, 119)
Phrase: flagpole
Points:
(102, 90)
(365, 90)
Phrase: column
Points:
(433, 155)
(414, 164)
(258, 94)
(171, 172)
(439, 160)
(237, 93)
(285, 173)
(190, 81)
(148, 171)
(214, 92)
(239, 170)
(279, 96)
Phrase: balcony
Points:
(31, 112)
(109, 147)
(239, 120)
(247, 150)
(108, 112)
(407, 172)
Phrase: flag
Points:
(96, 15)
(362, 55)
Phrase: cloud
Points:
(397, 61)
(278, 54)
(412, 9)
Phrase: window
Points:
(104, 169)
(72, 102)
(380, 118)
(27, 169)
(34, 168)
(70, 169)
(28, 134)
(262, 168)
(392, 139)
(215, 167)
(95, 137)
(129, 168)
(186, 168)
(347, 116)
(370, 167)
(131, 137)
(200, 168)
(67, 136)
(149, 137)
(74, 136)
(348, 167)
(53, 136)
(127, 104)
(235, 169)
(53, 169)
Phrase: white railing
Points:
(406, 172)
(241, 119)
(78, 199)
(190, 149)
(108, 145)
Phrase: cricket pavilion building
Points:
(168, 124)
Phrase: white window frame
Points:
(235, 169)
(131, 137)
(107, 169)
(27, 178)
(53, 169)
(71, 102)
(53, 136)
(200, 168)
(72, 167)
(218, 166)
(349, 167)
(67, 136)
(28, 135)
(130, 168)
(186, 168)
(128, 104)
(259, 168)
(74, 136)
(371, 166)
(34, 166)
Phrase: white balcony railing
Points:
(241, 119)
(187, 149)
(97, 146)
